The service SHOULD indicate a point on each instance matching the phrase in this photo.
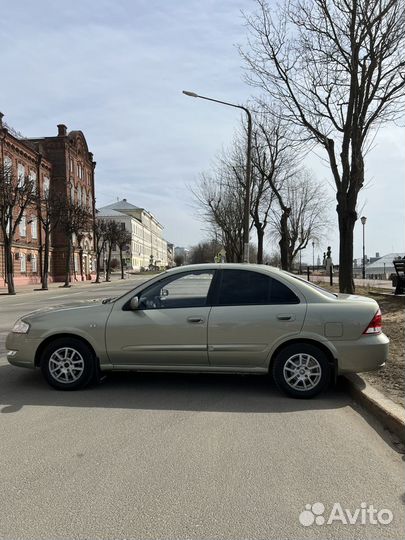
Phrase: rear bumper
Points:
(365, 354)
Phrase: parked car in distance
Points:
(208, 318)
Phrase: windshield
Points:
(317, 287)
(108, 300)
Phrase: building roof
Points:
(108, 212)
(387, 259)
(124, 207)
(121, 206)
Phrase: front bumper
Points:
(367, 353)
(21, 349)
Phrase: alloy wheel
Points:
(302, 372)
(66, 365)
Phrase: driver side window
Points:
(180, 291)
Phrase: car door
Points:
(168, 329)
(251, 311)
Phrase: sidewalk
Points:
(376, 283)
(36, 287)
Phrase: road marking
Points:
(63, 295)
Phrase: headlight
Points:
(21, 327)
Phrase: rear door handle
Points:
(285, 317)
(195, 320)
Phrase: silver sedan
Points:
(208, 318)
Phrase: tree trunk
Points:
(122, 264)
(108, 272)
(9, 265)
(283, 243)
(260, 237)
(346, 220)
(45, 272)
(81, 263)
(68, 257)
(98, 259)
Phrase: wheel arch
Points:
(329, 354)
(53, 337)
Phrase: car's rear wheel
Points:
(301, 370)
(68, 364)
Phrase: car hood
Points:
(68, 308)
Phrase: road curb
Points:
(390, 414)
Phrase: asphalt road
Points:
(182, 456)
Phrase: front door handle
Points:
(285, 317)
(195, 320)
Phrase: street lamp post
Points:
(246, 209)
(363, 220)
(313, 257)
(300, 269)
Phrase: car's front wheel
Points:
(68, 364)
(301, 370)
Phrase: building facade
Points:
(61, 164)
(148, 247)
(73, 170)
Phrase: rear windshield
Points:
(316, 287)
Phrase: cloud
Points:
(115, 69)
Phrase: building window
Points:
(46, 186)
(122, 226)
(8, 168)
(71, 164)
(21, 174)
(32, 177)
(34, 264)
(72, 193)
(84, 196)
(79, 195)
(34, 228)
(23, 226)
(23, 263)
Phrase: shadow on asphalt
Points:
(162, 391)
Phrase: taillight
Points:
(375, 327)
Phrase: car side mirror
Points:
(134, 303)
(164, 292)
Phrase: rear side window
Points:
(243, 287)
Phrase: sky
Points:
(115, 69)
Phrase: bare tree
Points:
(50, 211)
(337, 69)
(307, 219)
(16, 195)
(74, 219)
(124, 239)
(276, 161)
(205, 252)
(220, 199)
(100, 240)
(179, 260)
(111, 235)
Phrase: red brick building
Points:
(61, 163)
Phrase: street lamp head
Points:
(363, 220)
(191, 94)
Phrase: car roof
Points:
(228, 266)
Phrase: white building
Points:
(383, 267)
(147, 245)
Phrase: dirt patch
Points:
(390, 380)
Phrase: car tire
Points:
(68, 364)
(301, 370)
